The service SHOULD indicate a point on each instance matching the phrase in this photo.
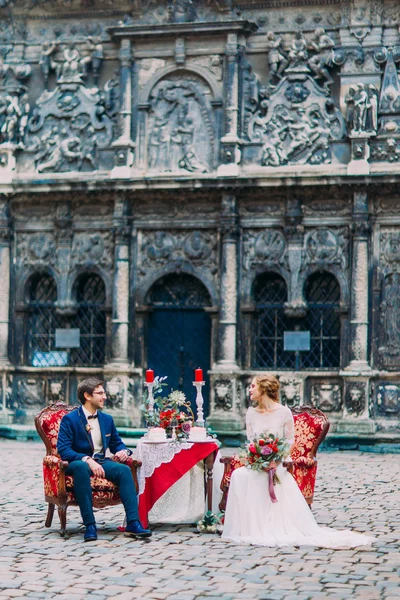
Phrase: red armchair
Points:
(310, 429)
(58, 487)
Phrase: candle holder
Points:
(199, 403)
(150, 386)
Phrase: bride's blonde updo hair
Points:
(268, 385)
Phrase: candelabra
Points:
(150, 385)
(199, 403)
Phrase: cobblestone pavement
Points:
(354, 490)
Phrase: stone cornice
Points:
(179, 29)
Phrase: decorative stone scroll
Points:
(181, 134)
(35, 249)
(92, 249)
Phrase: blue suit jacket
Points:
(75, 442)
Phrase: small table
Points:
(164, 463)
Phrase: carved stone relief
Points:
(390, 314)
(14, 106)
(355, 398)
(56, 389)
(326, 246)
(28, 395)
(161, 247)
(223, 395)
(181, 132)
(35, 249)
(295, 118)
(147, 68)
(70, 124)
(93, 249)
(327, 396)
(115, 393)
(267, 247)
(388, 399)
(290, 390)
(333, 205)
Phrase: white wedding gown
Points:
(252, 518)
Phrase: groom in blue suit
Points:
(85, 436)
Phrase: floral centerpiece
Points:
(210, 523)
(262, 452)
(171, 412)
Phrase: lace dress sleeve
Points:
(249, 429)
(288, 428)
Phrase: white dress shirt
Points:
(95, 431)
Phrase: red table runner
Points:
(169, 473)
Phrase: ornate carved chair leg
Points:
(50, 513)
(62, 513)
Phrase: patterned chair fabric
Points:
(58, 487)
(310, 429)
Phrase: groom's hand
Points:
(121, 456)
(96, 469)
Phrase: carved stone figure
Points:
(48, 48)
(298, 53)
(290, 391)
(322, 44)
(223, 394)
(277, 60)
(355, 398)
(97, 56)
(362, 113)
(181, 11)
(180, 134)
(390, 310)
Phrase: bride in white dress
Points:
(251, 517)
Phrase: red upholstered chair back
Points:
(48, 424)
(310, 428)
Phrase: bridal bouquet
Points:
(261, 452)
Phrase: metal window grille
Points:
(90, 319)
(179, 291)
(42, 322)
(269, 295)
(322, 293)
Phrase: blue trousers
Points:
(118, 473)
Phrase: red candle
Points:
(149, 376)
(198, 375)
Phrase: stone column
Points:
(355, 418)
(230, 152)
(5, 282)
(120, 307)
(359, 320)
(228, 289)
(225, 405)
(294, 230)
(124, 146)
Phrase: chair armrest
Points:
(54, 473)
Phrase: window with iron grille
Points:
(269, 295)
(42, 322)
(90, 319)
(322, 294)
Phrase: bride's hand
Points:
(272, 465)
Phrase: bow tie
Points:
(92, 416)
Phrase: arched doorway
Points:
(179, 332)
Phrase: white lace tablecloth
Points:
(184, 501)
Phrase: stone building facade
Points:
(181, 183)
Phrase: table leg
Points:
(209, 464)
